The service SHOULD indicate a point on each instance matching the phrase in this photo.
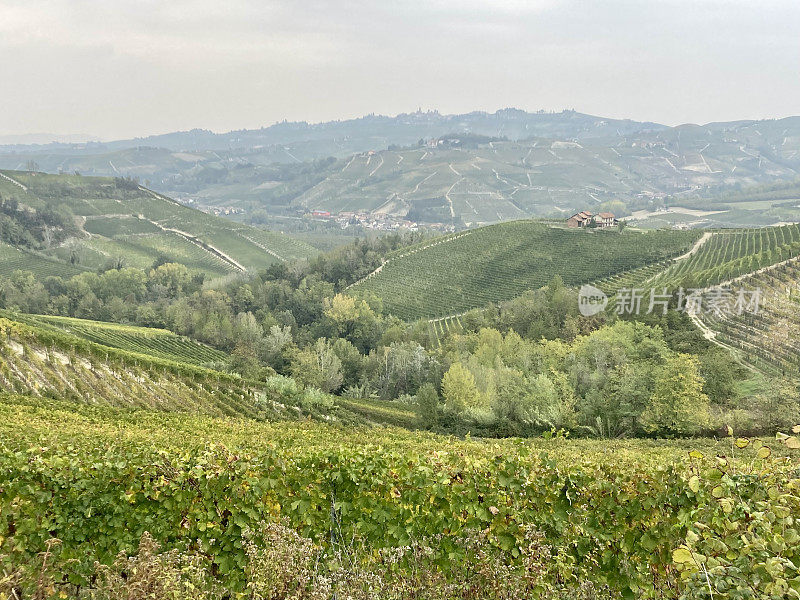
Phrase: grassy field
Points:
(140, 226)
(469, 270)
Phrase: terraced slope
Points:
(158, 343)
(769, 338)
(89, 363)
(119, 219)
(15, 259)
(39, 362)
(469, 270)
(732, 253)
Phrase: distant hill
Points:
(376, 132)
(57, 224)
(475, 168)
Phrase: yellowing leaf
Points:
(730, 431)
(742, 443)
(792, 443)
(682, 555)
(718, 492)
(796, 429)
(695, 454)
(694, 483)
(764, 452)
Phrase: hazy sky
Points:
(120, 68)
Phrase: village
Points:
(375, 221)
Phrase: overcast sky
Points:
(123, 68)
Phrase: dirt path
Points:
(449, 200)
(380, 164)
(190, 237)
(14, 181)
(703, 239)
(416, 188)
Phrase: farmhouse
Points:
(582, 219)
(605, 219)
(587, 219)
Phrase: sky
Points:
(124, 68)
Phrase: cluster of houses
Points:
(380, 222)
(587, 219)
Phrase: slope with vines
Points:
(732, 253)
(499, 262)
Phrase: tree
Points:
(427, 406)
(273, 346)
(459, 389)
(721, 375)
(779, 407)
(678, 405)
(318, 366)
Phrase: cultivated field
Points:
(498, 262)
(128, 222)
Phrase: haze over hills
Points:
(377, 131)
(454, 169)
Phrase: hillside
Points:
(767, 338)
(318, 140)
(469, 270)
(87, 222)
(502, 180)
(476, 168)
(147, 341)
(730, 253)
(40, 362)
(137, 368)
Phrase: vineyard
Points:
(499, 262)
(729, 254)
(102, 364)
(687, 519)
(13, 259)
(769, 338)
(148, 341)
(141, 226)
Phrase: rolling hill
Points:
(475, 168)
(116, 219)
(468, 270)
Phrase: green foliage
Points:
(613, 513)
(318, 366)
(427, 406)
(459, 390)
(678, 405)
(742, 539)
(499, 262)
